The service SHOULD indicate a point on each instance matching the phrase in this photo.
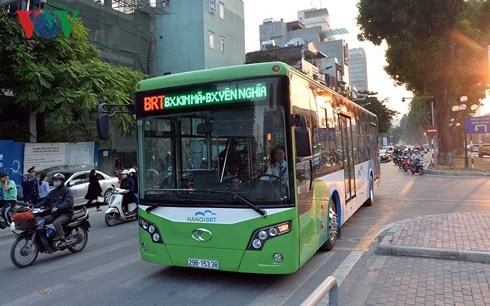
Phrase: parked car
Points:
(475, 148)
(389, 149)
(484, 150)
(384, 155)
(77, 179)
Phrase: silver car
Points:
(77, 179)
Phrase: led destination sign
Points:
(243, 92)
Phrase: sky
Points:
(342, 14)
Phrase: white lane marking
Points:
(283, 289)
(342, 271)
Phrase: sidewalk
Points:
(433, 260)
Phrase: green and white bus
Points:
(204, 144)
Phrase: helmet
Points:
(125, 172)
(59, 176)
(131, 170)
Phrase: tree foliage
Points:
(261, 57)
(61, 79)
(374, 105)
(435, 48)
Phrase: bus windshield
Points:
(233, 156)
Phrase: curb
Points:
(385, 247)
(456, 173)
(399, 250)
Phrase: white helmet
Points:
(125, 172)
(131, 170)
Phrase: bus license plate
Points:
(203, 263)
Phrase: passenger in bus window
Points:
(204, 163)
(190, 164)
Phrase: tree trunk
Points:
(446, 154)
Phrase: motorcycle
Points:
(28, 243)
(115, 212)
(406, 163)
(397, 160)
(417, 166)
(8, 210)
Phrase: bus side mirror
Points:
(102, 122)
(303, 141)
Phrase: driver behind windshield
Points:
(278, 166)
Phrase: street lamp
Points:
(432, 117)
(462, 108)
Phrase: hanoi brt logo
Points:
(207, 216)
(46, 24)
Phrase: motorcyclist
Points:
(134, 175)
(128, 184)
(60, 201)
(415, 156)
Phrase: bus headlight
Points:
(261, 235)
(151, 229)
(156, 237)
(257, 243)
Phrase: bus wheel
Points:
(332, 229)
(370, 200)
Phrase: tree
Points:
(62, 80)
(434, 48)
(261, 57)
(385, 115)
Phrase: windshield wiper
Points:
(261, 211)
(181, 198)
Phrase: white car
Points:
(77, 179)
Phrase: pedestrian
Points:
(94, 190)
(43, 186)
(30, 187)
(9, 197)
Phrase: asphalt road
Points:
(109, 271)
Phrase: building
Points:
(122, 32)
(358, 69)
(178, 35)
(334, 68)
(194, 35)
(314, 18)
(338, 49)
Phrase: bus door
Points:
(348, 155)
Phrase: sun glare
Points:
(485, 107)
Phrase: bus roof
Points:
(212, 75)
